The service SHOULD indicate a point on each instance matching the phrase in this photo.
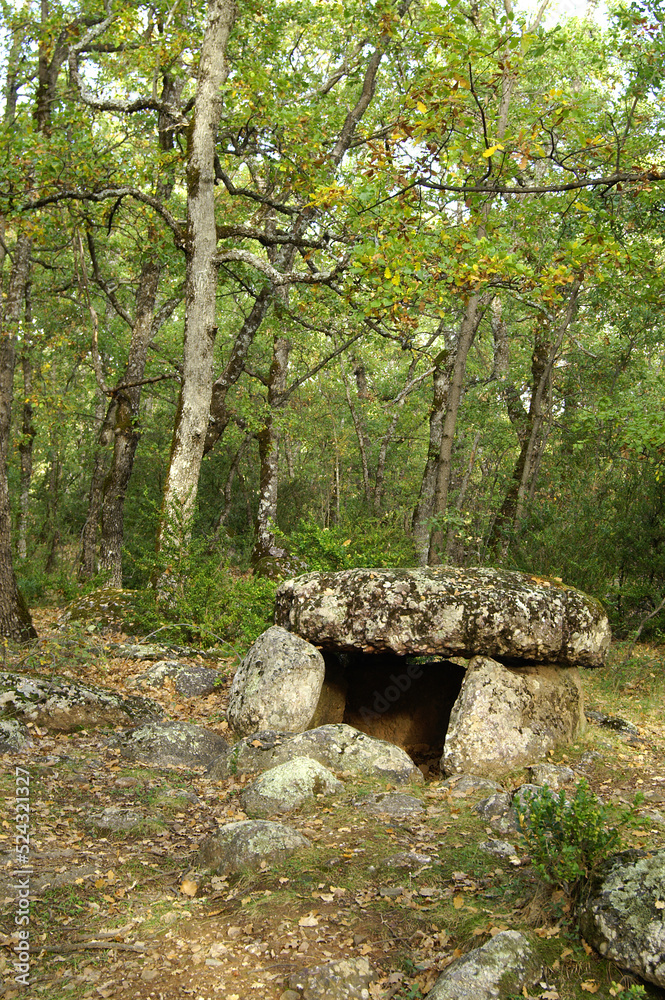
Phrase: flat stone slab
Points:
(505, 615)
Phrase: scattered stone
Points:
(277, 685)
(116, 819)
(498, 848)
(552, 776)
(339, 747)
(64, 705)
(494, 807)
(390, 803)
(499, 969)
(614, 722)
(505, 717)
(446, 610)
(463, 784)
(171, 744)
(189, 680)
(408, 859)
(13, 736)
(622, 913)
(346, 979)
(246, 843)
(287, 786)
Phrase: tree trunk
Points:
(126, 401)
(423, 511)
(15, 620)
(88, 557)
(266, 553)
(468, 328)
(191, 422)
(28, 434)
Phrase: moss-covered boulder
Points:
(440, 610)
(246, 843)
(623, 913)
(171, 744)
(499, 969)
(287, 786)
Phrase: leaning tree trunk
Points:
(126, 433)
(191, 422)
(15, 620)
(267, 554)
(421, 516)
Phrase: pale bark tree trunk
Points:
(423, 512)
(15, 620)
(28, 433)
(267, 554)
(468, 328)
(126, 432)
(191, 423)
(88, 565)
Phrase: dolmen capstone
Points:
(480, 665)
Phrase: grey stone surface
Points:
(447, 611)
(495, 806)
(467, 784)
(337, 746)
(277, 685)
(63, 705)
(499, 969)
(171, 744)
(345, 979)
(189, 680)
(287, 786)
(390, 803)
(623, 913)
(116, 819)
(13, 736)
(246, 843)
(552, 776)
(506, 718)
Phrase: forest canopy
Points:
(329, 284)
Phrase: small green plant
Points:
(633, 992)
(568, 840)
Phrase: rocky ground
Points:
(132, 914)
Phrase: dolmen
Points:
(479, 665)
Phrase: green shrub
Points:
(568, 840)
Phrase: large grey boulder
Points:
(171, 744)
(277, 685)
(336, 746)
(506, 717)
(63, 705)
(500, 968)
(13, 736)
(287, 786)
(443, 610)
(623, 913)
(190, 680)
(248, 842)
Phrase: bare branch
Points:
(105, 194)
(276, 277)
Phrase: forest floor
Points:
(130, 916)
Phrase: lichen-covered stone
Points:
(552, 776)
(63, 705)
(345, 979)
(171, 744)
(507, 717)
(287, 786)
(499, 969)
(339, 747)
(444, 610)
(13, 736)
(116, 819)
(106, 607)
(390, 804)
(189, 680)
(246, 843)
(623, 914)
(277, 685)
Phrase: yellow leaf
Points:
(660, 904)
(188, 887)
(421, 107)
(387, 273)
(492, 149)
(590, 986)
(581, 207)
(587, 947)
(458, 902)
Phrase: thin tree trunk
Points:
(15, 620)
(266, 553)
(191, 422)
(468, 328)
(126, 432)
(88, 566)
(28, 433)
(423, 511)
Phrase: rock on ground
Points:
(337, 746)
(64, 705)
(246, 843)
(346, 979)
(116, 819)
(171, 744)
(13, 736)
(499, 969)
(389, 803)
(287, 786)
(507, 717)
(277, 685)
(188, 680)
(445, 610)
(622, 915)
